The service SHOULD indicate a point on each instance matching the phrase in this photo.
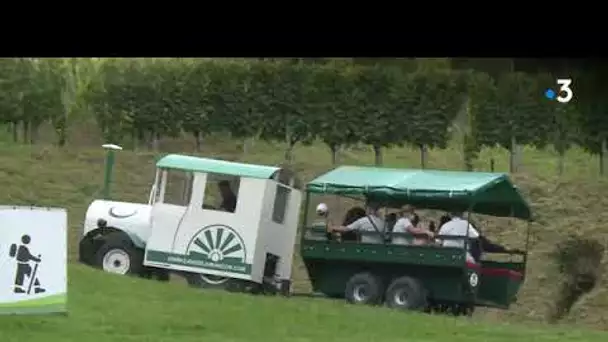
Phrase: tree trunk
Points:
(334, 154)
(511, 160)
(15, 129)
(34, 132)
(513, 155)
(154, 141)
(603, 150)
(26, 132)
(139, 138)
(519, 156)
(422, 156)
(288, 156)
(561, 146)
(469, 152)
(61, 128)
(378, 155)
(468, 163)
(247, 142)
(198, 141)
(135, 139)
(62, 138)
(561, 161)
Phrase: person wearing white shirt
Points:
(372, 223)
(458, 227)
(405, 225)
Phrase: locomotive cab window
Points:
(281, 199)
(177, 187)
(221, 192)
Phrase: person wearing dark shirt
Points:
(228, 197)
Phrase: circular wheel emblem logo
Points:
(473, 279)
(217, 244)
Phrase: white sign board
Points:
(33, 260)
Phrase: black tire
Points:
(207, 281)
(335, 295)
(463, 310)
(118, 247)
(155, 273)
(406, 293)
(442, 309)
(285, 288)
(163, 275)
(363, 288)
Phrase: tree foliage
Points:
(13, 83)
(293, 101)
(337, 120)
(517, 115)
(593, 121)
(289, 104)
(433, 101)
(378, 126)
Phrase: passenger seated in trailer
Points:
(368, 225)
(319, 225)
(477, 245)
(432, 227)
(322, 222)
(352, 215)
(391, 220)
(458, 226)
(322, 213)
(428, 233)
(443, 220)
(408, 223)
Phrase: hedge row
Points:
(290, 101)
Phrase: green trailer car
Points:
(430, 278)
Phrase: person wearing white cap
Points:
(372, 223)
(322, 216)
(318, 227)
(322, 209)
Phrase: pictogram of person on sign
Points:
(24, 267)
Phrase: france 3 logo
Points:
(564, 94)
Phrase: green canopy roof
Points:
(491, 193)
(197, 164)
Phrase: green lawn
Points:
(108, 308)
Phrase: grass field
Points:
(107, 308)
(112, 308)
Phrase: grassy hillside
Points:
(109, 308)
(71, 178)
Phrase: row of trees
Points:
(340, 102)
